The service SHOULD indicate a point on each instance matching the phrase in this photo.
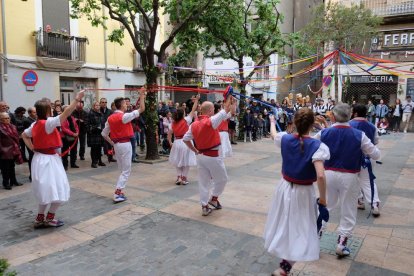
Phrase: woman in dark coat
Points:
(9, 151)
(96, 122)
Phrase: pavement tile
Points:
(399, 259)
(373, 250)
(251, 224)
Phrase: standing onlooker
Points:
(135, 129)
(5, 108)
(29, 120)
(381, 111)
(81, 119)
(396, 115)
(69, 132)
(260, 126)
(232, 129)
(9, 151)
(19, 119)
(106, 112)
(248, 124)
(407, 110)
(57, 110)
(371, 112)
(96, 123)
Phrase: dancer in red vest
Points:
(49, 181)
(118, 132)
(181, 156)
(204, 132)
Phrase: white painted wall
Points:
(15, 93)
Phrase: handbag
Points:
(70, 139)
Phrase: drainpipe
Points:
(105, 48)
(4, 61)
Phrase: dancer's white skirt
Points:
(181, 155)
(225, 149)
(49, 180)
(290, 231)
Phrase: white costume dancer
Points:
(346, 146)
(180, 155)
(359, 122)
(291, 230)
(118, 132)
(50, 184)
(211, 169)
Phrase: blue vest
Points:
(368, 128)
(297, 166)
(344, 143)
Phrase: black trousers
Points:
(8, 172)
(31, 153)
(82, 143)
(96, 153)
(22, 146)
(73, 152)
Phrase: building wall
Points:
(25, 17)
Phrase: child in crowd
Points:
(260, 126)
(50, 183)
(291, 230)
(383, 126)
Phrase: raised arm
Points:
(195, 105)
(68, 110)
(273, 131)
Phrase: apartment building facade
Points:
(394, 42)
(46, 53)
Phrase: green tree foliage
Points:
(335, 26)
(181, 13)
(340, 26)
(236, 30)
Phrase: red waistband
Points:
(46, 151)
(121, 140)
(211, 153)
(297, 181)
(179, 137)
(342, 170)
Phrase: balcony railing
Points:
(60, 46)
(387, 8)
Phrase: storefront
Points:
(362, 88)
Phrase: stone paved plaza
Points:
(160, 230)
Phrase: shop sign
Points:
(393, 40)
(372, 79)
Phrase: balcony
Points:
(60, 51)
(390, 8)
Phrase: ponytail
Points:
(304, 119)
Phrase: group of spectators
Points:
(389, 117)
(83, 128)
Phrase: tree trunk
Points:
(151, 115)
(242, 99)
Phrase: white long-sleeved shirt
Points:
(126, 118)
(215, 122)
(368, 148)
